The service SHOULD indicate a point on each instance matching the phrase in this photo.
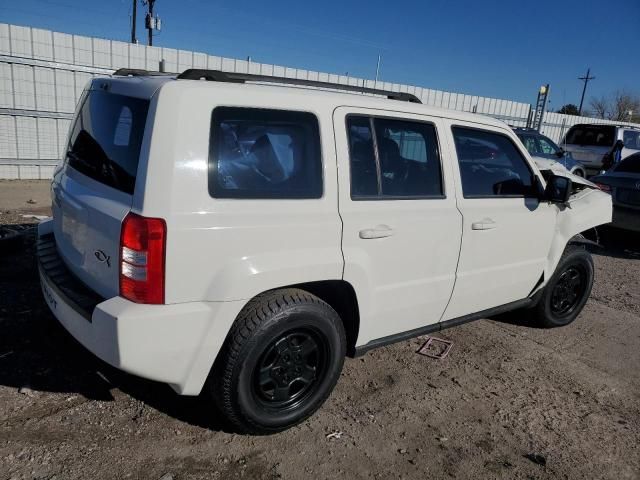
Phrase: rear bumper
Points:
(626, 218)
(175, 344)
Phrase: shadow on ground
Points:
(615, 243)
(36, 352)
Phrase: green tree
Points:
(569, 109)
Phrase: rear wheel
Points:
(281, 360)
(568, 289)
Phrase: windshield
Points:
(592, 135)
(106, 138)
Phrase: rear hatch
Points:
(588, 144)
(93, 191)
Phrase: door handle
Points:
(485, 224)
(380, 231)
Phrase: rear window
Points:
(629, 165)
(261, 153)
(592, 135)
(106, 138)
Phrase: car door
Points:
(401, 227)
(507, 231)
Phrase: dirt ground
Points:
(510, 402)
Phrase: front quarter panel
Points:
(586, 209)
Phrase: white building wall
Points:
(43, 73)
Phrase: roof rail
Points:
(137, 72)
(232, 77)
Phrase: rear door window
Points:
(261, 153)
(393, 158)
(491, 165)
(592, 135)
(106, 138)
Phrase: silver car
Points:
(541, 147)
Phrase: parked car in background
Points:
(592, 144)
(622, 181)
(546, 153)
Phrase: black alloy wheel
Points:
(289, 369)
(280, 362)
(568, 291)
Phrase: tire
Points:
(568, 289)
(279, 363)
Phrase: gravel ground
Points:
(511, 401)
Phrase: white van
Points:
(591, 144)
(220, 234)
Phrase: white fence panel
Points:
(8, 145)
(43, 74)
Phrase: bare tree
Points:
(599, 106)
(623, 103)
(616, 107)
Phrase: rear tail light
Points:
(142, 259)
(603, 187)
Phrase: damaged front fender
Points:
(587, 208)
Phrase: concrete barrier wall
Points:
(42, 74)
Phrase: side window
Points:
(491, 165)
(409, 160)
(530, 144)
(259, 153)
(393, 158)
(364, 173)
(547, 147)
(631, 139)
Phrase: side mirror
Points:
(560, 153)
(558, 189)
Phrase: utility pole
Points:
(585, 79)
(377, 72)
(133, 22)
(150, 20)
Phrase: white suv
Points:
(241, 238)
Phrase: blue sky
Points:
(494, 48)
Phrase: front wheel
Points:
(281, 360)
(568, 289)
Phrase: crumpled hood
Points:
(548, 164)
(558, 169)
(577, 179)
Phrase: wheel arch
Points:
(341, 296)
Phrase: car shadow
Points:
(616, 243)
(37, 353)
